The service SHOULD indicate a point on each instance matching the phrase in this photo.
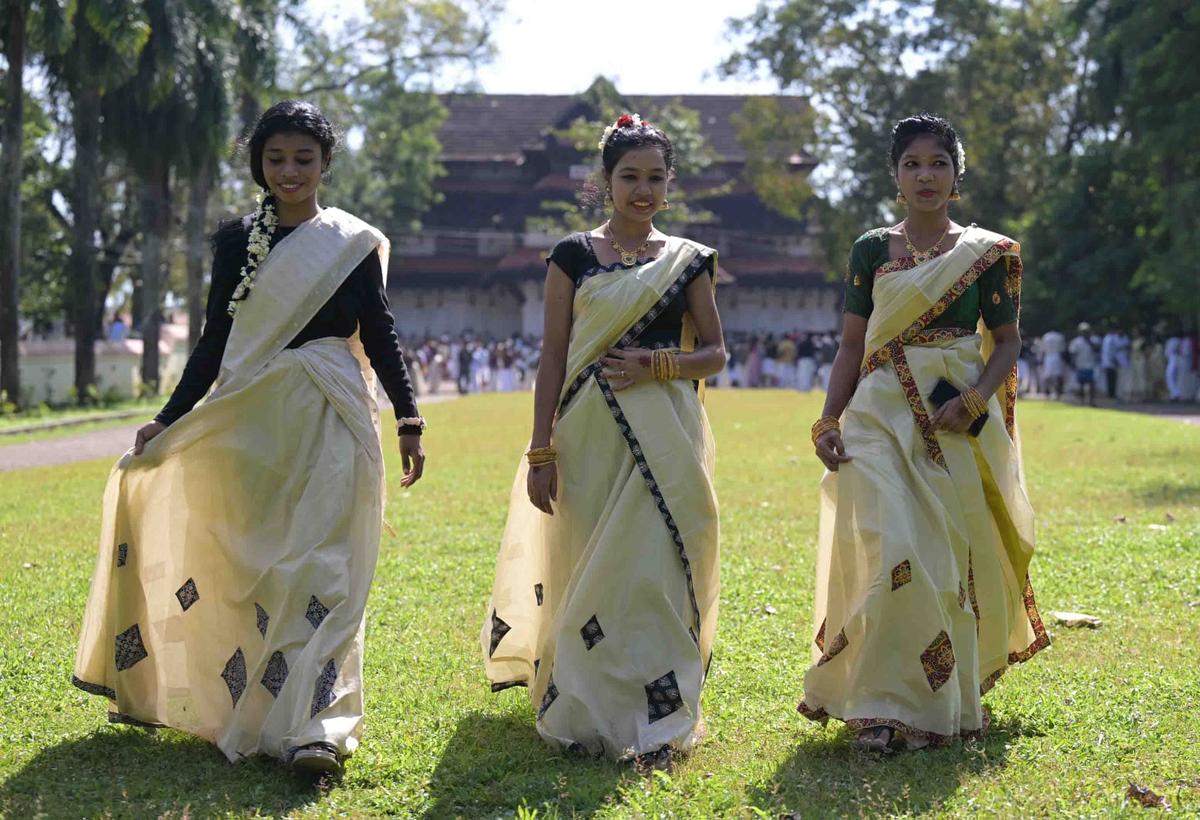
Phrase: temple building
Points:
(477, 265)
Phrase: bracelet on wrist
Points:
(974, 402)
(537, 456)
(410, 426)
(823, 425)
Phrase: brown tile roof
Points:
(501, 126)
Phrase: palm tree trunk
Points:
(156, 223)
(197, 248)
(85, 186)
(10, 202)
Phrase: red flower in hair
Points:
(624, 121)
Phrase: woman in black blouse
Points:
(605, 601)
(240, 536)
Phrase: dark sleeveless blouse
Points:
(576, 257)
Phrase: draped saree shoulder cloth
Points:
(236, 552)
(607, 610)
(923, 597)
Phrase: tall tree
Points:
(167, 120)
(16, 26)
(108, 36)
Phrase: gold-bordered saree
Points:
(923, 597)
(236, 552)
(608, 609)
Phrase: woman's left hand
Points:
(952, 417)
(625, 367)
(413, 459)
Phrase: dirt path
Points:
(107, 443)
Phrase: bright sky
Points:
(646, 46)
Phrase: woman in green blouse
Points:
(923, 597)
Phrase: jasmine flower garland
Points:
(259, 245)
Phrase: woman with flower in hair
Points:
(239, 537)
(605, 599)
(923, 597)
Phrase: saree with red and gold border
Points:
(923, 597)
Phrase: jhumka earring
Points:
(901, 199)
(955, 197)
(666, 206)
(608, 194)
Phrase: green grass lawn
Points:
(1071, 729)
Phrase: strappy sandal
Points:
(316, 760)
(875, 739)
(660, 760)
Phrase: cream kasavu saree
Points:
(923, 596)
(236, 552)
(608, 609)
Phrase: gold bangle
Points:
(537, 456)
(823, 425)
(974, 402)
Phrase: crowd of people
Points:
(1092, 363)
(1110, 362)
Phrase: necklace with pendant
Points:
(628, 258)
(928, 253)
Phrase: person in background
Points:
(1083, 361)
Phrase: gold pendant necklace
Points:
(923, 256)
(628, 258)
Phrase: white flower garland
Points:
(259, 245)
(608, 131)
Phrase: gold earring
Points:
(954, 197)
(666, 206)
(901, 199)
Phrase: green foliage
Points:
(1070, 729)
(375, 78)
(1080, 122)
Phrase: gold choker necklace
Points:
(628, 258)
(928, 253)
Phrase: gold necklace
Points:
(628, 258)
(928, 253)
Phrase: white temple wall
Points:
(501, 311)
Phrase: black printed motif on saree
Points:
(187, 594)
(234, 675)
(129, 648)
(316, 612)
(662, 697)
(323, 689)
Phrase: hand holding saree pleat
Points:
(237, 550)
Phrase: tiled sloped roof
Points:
(500, 126)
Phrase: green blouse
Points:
(987, 296)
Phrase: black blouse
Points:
(359, 303)
(577, 259)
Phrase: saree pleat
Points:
(923, 597)
(607, 610)
(237, 551)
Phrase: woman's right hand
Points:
(144, 434)
(542, 486)
(831, 451)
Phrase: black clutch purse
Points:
(942, 392)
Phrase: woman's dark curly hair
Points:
(926, 124)
(291, 117)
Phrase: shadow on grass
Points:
(496, 763)
(829, 777)
(1184, 495)
(130, 772)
